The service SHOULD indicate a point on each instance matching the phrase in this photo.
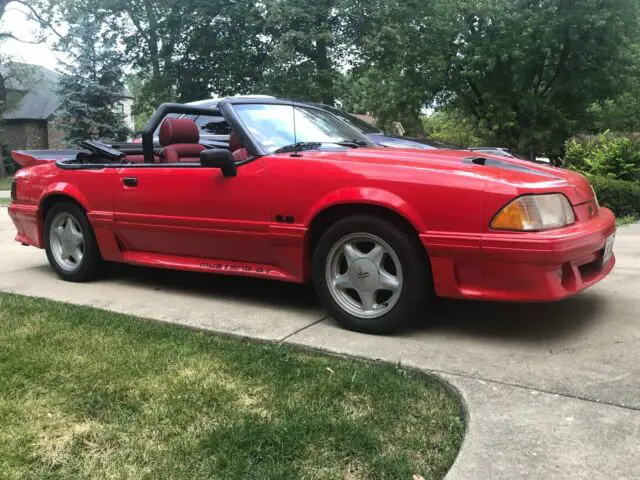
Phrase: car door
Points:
(189, 210)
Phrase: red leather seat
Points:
(179, 138)
(235, 145)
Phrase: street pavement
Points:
(551, 390)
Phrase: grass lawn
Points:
(86, 393)
(4, 201)
(5, 183)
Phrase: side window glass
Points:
(213, 125)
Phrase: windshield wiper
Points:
(311, 145)
(295, 147)
(352, 143)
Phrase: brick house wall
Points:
(25, 134)
(54, 135)
(31, 135)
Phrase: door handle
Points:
(130, 181)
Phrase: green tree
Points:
(403, 54)
(529, 70)
(309, 42)
(22, 76)
(450, 126)
(620, 113)
(182, 50)
(93, 84)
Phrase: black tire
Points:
(91, 262)
(417, 287)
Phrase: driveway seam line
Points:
(441, 373)
(21, 270)
(295, 332)
(627, 268)
(533, 389)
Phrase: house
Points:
(367, 118)
(30, 122)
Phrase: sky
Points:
(16, 21)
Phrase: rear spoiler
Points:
(30, 158)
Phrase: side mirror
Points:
(219, 158)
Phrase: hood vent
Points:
(493, 162)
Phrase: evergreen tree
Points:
(93, 84)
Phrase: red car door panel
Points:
(194, 211)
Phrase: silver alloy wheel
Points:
(67, 242)
(364, 275)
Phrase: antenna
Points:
(296, 152)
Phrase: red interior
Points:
(180, 137)
(235, 145)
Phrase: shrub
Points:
(606, 155)
(11, 166)
(620, 196)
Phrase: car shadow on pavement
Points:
(526, 322)
(521, 322)
(221, 286)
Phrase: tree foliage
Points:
(93, 85)
(527, 74)
(453, 128)
(529, 70)
(15, 74)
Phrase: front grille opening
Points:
(590, 270)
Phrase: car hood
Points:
(397, 142)
(497, 168)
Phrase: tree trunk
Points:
(3, 168)
(153, 38)
(325, 80)
(3, 106)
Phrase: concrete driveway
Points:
(553, 391)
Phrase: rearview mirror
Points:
(219, 158)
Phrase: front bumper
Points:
(514, 266)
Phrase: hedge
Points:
(620, 196)
(608, 155)
(11, 166)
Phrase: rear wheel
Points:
(70, 243)
(372, 275)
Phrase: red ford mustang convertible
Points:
(302, 196)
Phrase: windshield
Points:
(355, 122)
(271, 126)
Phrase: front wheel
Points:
(70, 243)
(371, 274)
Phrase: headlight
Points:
(535, 212)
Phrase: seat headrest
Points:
(178, 130)
(234, 141)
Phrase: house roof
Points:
(41, 100)
(366, 118)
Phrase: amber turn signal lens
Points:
(535, 212)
